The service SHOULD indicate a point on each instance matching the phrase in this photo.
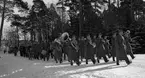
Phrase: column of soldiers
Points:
(89, 48)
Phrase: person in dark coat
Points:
(73, 53)
(36, 49)
(107, 46)
(101, 52)
(15, 50)
(95, 41)
(29, 51)
(65, 49)
(57, 50)
(89, 50)
(121, 48)
(113, 48)
(82, 48)
(22, 51)
(128, 45)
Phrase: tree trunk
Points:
(62, 16)
(17, 37)
(80, 18)
(31, 36)
(118, 3)
(2, 21)
(109, 5)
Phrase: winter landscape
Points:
(19, 67)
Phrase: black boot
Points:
(105, 59)
(117, 64)
(78, 63)
(98, 60)
(129, 62)
(86, 61)
(113, 58)
(93, 60)
(60, 61)
(71, 63)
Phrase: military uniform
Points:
(121, 49)
(128, 47)
(101, 52)
(89, 52)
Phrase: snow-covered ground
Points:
(19, 67)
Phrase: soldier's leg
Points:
(93, 60)
(52, 56)
(15, 53)
(77, 60)
(4, 51)
(113, 58)
(81, 58)
(131, 54)
(47, 56)
(55, 59)
(105, 59)
(98, 59)
(86, 61)
(38, 56)
(71, 62)
(64, 55)
(60, 60)
(117, 61)
(108, 54)
(127, 60)
(44, 57)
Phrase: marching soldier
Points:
(82, 47)
(107, 46)
(95, 42)
(15, 50)
(89, 53)
(121, 48)
(113, 48)
(57, 50)
(74, 54)
(101, 49)
(71, 48)
(128, 45)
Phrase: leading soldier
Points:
(121, 48)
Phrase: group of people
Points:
(89, 48)
(76, 49)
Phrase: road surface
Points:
(19, 67)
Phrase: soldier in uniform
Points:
(113, 47)
(89, 53)
(15, 49)
(73, 53)
(128, 45)
(107, 46)
(57, 50)
(121, 48)
(101, 52)
(70, 48)
(82, 47)
(36, 49)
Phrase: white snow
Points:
(19, 67)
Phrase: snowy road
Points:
(19, 67)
